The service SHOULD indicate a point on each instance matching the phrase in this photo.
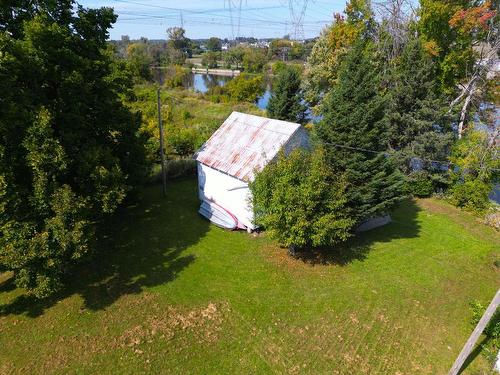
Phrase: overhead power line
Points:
(214, 12)
(388, 153)
(255, 16)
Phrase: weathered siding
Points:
(245, 143)
(229, 192)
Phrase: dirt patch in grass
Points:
(281, 259)
(150, 324)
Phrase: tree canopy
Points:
(301, 202)
(327, 54)
(353, 121)
(214, 44)
(286, 102)
(419, 126)
(69, 149)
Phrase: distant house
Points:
(227, 162)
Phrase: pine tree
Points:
(286, 102)
(419, 127)
(353, 121)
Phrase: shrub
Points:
(186, 115)
(476, 171)
(471, 195)
(300, 202)
(419, 184)
(254, 60)
(217, 94)
(245, 88)
(491, 345)
(182, 141)
(278, 67)
(175, 76)
(176, 168)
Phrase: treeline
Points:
(143, 54)
(398, 99)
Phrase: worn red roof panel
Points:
(245, 143)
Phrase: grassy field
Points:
(175, 295)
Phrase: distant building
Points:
(243, 145)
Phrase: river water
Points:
(203, 82)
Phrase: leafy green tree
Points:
(300, 202)
(178, 46)
(177, 38)
(475, 157)
(236, 56)
(209, 59)
(418, 121)
(69, 149)
(450, 31)
(286, 102)
(254, 60)
(286, 49)
(139, 60)
(353, 121)
(214, 44)
(245, 88)
(14, 12)
(328, 52)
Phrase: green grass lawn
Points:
(175, 295)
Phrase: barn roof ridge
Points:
(245, 143)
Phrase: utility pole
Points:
(160, 126)
(469, 345)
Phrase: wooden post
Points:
(469, 345)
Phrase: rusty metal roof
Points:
(245, 143)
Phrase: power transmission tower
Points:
(297, 12)
(234, 6)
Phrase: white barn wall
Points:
(220, 188)
(228, 161)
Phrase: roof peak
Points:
(245, 143)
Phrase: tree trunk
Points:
(464, 110)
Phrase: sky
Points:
(207, 18)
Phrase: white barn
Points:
(227, 162)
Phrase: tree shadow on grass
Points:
(404, 224)
(141, 246)
(7, 285)
(473, 355)
(486, 345)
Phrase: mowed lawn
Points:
(175, 295)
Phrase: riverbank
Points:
(219, 72)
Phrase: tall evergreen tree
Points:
(353, 121)
(418, 121)
(69, 149)
(286, 102)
